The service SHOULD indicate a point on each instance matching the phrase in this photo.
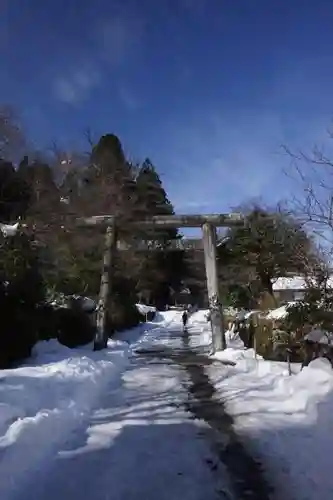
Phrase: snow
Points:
(280, 312)
(295, 283)
(285, 421)
(243, 315)
(112, 425)
(144, 309)
(102, 425)
(292, 283)
(320, 336)
(46, 399)
(9, 230)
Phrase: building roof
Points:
(294, 283)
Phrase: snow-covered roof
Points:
(294, 283)
(280, 312)
(144, 309)
(243, 315)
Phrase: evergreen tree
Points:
(162, 269)
(15, 194)
(271, 244)
(153, 200)
(106, 186)
(21, 283)
(45, 200)
(111, 176)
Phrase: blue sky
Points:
(208, 89)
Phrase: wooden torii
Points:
(208, 223)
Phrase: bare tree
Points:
(314, 171)
(90, 137)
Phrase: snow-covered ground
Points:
(105, 425)
(285, 419)
(45, 400)
(112, 425)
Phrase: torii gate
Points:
(208, 223)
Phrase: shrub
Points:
(21, 293)
(18, 333)
(74, 327)
(66, 320)
(122, 314)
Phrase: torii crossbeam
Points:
(208, 223)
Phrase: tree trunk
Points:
(266, 283)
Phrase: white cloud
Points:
(218, 186)
(65, 90)
(76, 85)
(119, 36)
(129, 99)
(219, 163)
(114, 41)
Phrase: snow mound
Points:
(9, 230)
(321, 364)
(286, 420)
(233, 339)
(8, 415)
(143, 309)
(281, 312)
(320, 336)
(46, 398)
(51, 347)
(199, 317)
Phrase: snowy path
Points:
(146, 418)
(138, 442)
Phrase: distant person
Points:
(185, 317)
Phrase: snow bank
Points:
(48, 399)
(285, 419)
(42, 401)
(129, 447)
(199, 317)
(320, 336)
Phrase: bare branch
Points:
(315, 173)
